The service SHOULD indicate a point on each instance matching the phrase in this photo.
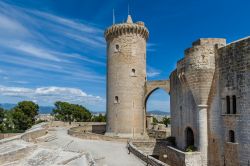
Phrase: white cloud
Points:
(14, 91)
(151, 47)
(19, 82)
(59, 90)
(48, 95)
(30, 63)
(44, 41)
(9, 25)
(83, 58)
(152, 72)
(67, 22)
(37, 52)
(85, 39)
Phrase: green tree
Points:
(99, 118)
(1, 115)
(29, 108)
(67, 112)
(8, 121)
(23, 115)
(1, 119)
(166, 121)
(63, 111)
(80, 113)
(21, 121)
(155, 121)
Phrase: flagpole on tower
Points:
(113, 16)
(128, 9)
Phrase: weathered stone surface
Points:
(151, 86)
(59, 148)
(126, 77)
(210, 71)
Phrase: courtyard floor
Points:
(59, 148)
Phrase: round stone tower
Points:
(126, 78)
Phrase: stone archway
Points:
(152, 86)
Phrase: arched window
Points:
(231, 136)
(228, 104)
(116, 99)
(117, 48)
(133, 72)
(189, 137)
(234, 105)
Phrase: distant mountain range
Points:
(7, 106)
(45, 109)
(158, 112)
(48, 110)
(42, 109)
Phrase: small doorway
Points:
(189, 137)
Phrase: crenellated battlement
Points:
(209, 41)
(205, 43)
(126, 28)
(241, 43)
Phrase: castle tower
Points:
(126, 77)
(197, 72)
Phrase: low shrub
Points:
(191, 148)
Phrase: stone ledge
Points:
(144, 157)
(16, 154)
(98, 128)
(94, 136)
(231, 115)
(232, 143)
(35, 132)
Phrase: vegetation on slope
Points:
(68, 112)
(165, 120)
(23, 115)
(19, 118)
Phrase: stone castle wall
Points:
(210, 71)
(210, 75)
(234, 75)
(214, 121)
(183, 111)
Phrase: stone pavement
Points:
(59, 148)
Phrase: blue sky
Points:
(54, 49)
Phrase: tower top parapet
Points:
(126, 28)
(129, 20)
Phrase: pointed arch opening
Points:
(157, 109)
(189, 137)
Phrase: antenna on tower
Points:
(128, 9)
(113, 16)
